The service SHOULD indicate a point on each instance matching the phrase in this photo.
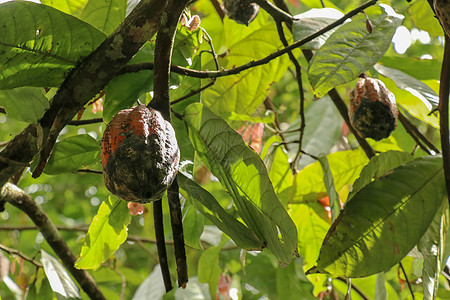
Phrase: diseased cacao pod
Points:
(140, 155)
(241, 11)
(373, 111)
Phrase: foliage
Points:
(270, 210)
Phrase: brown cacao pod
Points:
(139, 154)
(373, 111)
(241, 11)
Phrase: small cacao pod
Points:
(139, 154)
(373, 111)
(241, 11)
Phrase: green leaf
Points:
(431, 245)
(423, 18)
(424, 98)
(209, 269)
(206, 204)
(322, 131)
(380, 287)
(312, 224)
(73, 153)
(123, 90)
(292, 282)
(335, 205)
(105, 15)
(71, 7)
(378, 166)
(277, 163)
(193, 222)
(345, 167)
(352, 50)
(243, 174)
(186, 44)
(420, 69)
(43, 46)
(106, 233)
(152, 287)
(311, 21)
(269, 117)
(60, 281)
(384, 220)
(245, 92)
(25, 104)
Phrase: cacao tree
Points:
(229, 149)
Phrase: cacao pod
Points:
(241, 11)
(373, 111)
(139, 154)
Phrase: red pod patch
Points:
(140, 155)
(373, 111)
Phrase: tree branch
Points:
(82, 84)
(17, 197)
(254, 63)
(18, 253)
(444, 87)
(160, 243)
(176, 220)
(161, 102)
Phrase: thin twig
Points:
(254, 63)
(123, 279)
(89, 171)
(192, 93)
(85, 122)
(355, 288)
(407, 281)
(409, 127)
(406, 122)
(17, 197)
(218, 9)
(18, 253)
(275, 12)
(269, 105)
(298, 77)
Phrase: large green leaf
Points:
(415, 96)
(384, 220)
(39, 44)
(333, 196)
(322, 131)
(423, 17)
(352, 50)
(378, 166)
(312, 224)
(210, 208)
(431, 245)
(193, 224)
(277, 163)
(105, 15)
(71, 7)
(209, 268)
(345, 167)
(244, 92)
(311, 21)
(26, 104)
(421, 69)
(73, 153)
(243, 174)
(106, 233)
